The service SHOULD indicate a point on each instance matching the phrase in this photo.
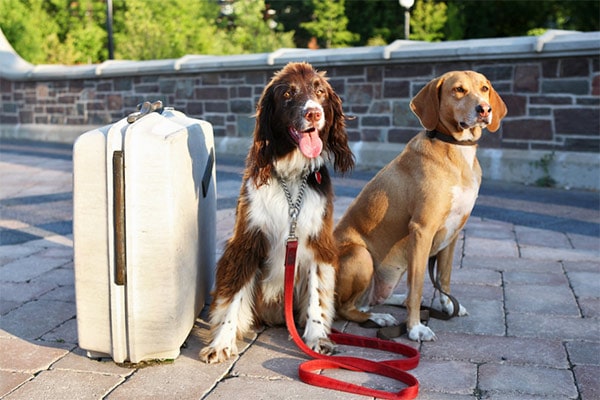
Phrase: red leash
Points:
(308, 371)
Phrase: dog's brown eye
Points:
(459, 89)
(287, 95)
(485, 89)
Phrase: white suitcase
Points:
(144, 215)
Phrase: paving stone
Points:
(77, 360)
(493, 349)
(546, 253)
(585, 284)
(485, 318)
(496, 263)
(552, 327)
(61, 385)
(590, 308)
(22, 292)
(584, 353)
(587, 380)
(541, 238)
(25, 269)
(64, 333)
(476, 276)
(33, 319)
(490, 247)
(585, 266)
(10, 380)
(428, 395)
(452, 377)
(30, 357)
(541, 299)
(584, 242)
(542, 278)
(272, 356)
(281, 389)
(527, 380)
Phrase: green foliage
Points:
(428, 21)
(251, 33)
(329, 24)
(544, 164)
(74, 31)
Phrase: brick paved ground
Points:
(527, 270)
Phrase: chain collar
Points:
(294, 207)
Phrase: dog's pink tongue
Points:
(311, 144)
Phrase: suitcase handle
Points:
(119, 217)
(145, 108)
(208, 172)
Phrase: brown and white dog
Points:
(299, 126)
(415, 207)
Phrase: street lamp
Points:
(406, 4)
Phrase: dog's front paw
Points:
(212, 355)
(322, 345)
(448, 306)
(383, 319)
(421, 333)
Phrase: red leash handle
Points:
(395, 369)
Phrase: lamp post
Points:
(109, 29)
(407, 4)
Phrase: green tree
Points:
(27, 27)
(150, 30)
(377, 21)
(251, 31)
(329, 24)
(428, 20)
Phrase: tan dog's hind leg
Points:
(444, 264)
(355, 281)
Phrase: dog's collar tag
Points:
(318, 177)
(291, 248)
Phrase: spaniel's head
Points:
(298, 111)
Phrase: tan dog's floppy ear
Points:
(426, 104)
(499, 110)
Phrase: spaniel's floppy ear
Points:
(426, 104)
(499, 109)
(261, 153)
(337, 139)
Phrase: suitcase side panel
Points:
(90, 242)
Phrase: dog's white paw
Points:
(212, 355)
(421, 333)
(448, 307)
(321, 345)
(383, 319)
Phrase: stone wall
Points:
(553, 97)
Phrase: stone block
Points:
(527, 78)
(587, 380)
(584, 353)
(539, 381)
(574, 67)
(527, 129)
(496, 349)
(559, 327)
(396, 89)
(516, 104)
(563, 86)
(578, 121)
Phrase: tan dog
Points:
(415, 207)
